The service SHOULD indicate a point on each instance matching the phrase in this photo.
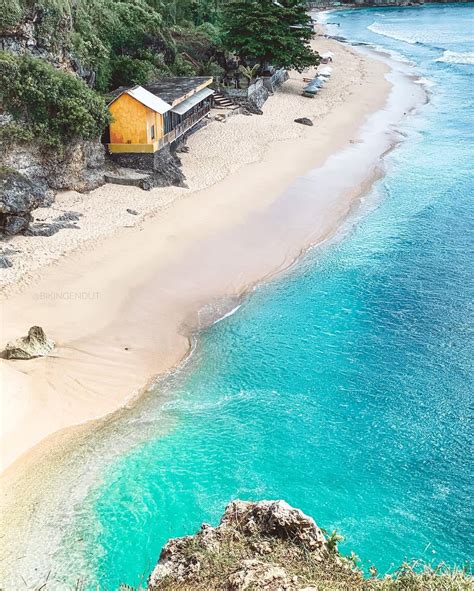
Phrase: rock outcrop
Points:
(164, 167)
(43, 33)
(254, 103)
(19, 195)
(35, 344)
(255, 546)
(270, 546)
(29, 176)
(255, 574)
(78, 166)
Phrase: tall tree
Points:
(270, 32)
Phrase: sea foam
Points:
(393, 33)
(456, 57)
(434, 38)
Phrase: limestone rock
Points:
(36, 344)
(30, 31)
(304, 121)
(29, 175)
(175, 563)
(19, 195)
(254, 529)
(80, 166)
(254, 574)
(275, 519)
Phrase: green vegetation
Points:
(10, 13)
(408, 578)
(125, 42)
(55, 105)
(270, 33)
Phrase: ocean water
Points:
(345, 385)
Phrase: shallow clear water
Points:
(345, 385)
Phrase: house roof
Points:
(144, 97)
(197, 97)
(161, 95)
(148, 99)
(172, 89)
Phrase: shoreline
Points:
(100, 351)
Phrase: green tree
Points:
(270, 32)
(129, 71)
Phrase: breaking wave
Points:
(393, 33)
(432, 38)
(455, 57)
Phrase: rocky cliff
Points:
(30, 169)
(30, 174)
(42, 32)
(271, 546)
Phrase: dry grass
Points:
(334, 574)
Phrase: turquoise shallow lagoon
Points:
(344, 386)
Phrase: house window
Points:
(152, 132)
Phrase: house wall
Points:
(155, 119)
(130, 121)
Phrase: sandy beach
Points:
(122, 294)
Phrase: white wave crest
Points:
(454, 57)
(393, 33)
(425, 82)
(434, 38)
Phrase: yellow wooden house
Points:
(146, 118)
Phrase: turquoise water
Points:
(344, 386)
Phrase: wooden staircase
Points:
(223, 102)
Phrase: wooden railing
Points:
(183, 127)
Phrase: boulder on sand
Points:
(36, 344)
(19, 195)
(304, 121)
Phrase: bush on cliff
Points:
(10, 13)
(53, 105)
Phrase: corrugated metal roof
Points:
(193, 100)
(149, 100)
(173, 89)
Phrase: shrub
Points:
(128, 71)
(212, 32)
(10, 13)
(55, 105)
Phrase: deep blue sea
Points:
(345, 385)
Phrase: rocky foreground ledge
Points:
(271, 546)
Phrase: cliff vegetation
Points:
(271, 546)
